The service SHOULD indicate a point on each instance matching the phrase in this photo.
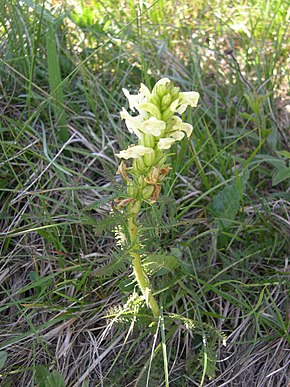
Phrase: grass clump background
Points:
(218, 241)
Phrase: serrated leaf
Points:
(280, 176)
(225, 204)
(3, 358)
(160, 263)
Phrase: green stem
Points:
(141, 277)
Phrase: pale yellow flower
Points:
(165, 143)
(187, 98)
(153, 126)
(133, 123)
(134, 152)
(134, 100)
(178, 125)
(178, 135)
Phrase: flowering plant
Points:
(157, 127)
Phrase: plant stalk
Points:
(140, 276)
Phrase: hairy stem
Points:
(141, 277)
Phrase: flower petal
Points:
(134, 100)
(187, 128)
(162, 81)
(133, 123)
(145, 91)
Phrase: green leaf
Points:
(284, 153)
(160, 263)
(3, 358)
(226, 203)
(55, 83)
(45, 378)
(281, 175)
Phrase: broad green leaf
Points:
(280, 176)
(3, 358)
(226, 203)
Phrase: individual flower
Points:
(165, 143)
(178, 125)
(188, 98)
(134, 100)
(134, 152)
(133, 123)
(153, 126)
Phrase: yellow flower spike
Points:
(157, 127)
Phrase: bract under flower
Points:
(134, 152)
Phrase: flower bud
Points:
(149, 159)
(168, 113)
(166, 100)
(147, 192)
(149, 141)
(140, 164)
(155, 100)
(136, 207)
(161, 90)
(132, 190)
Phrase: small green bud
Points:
(132, 190)
(155, 100)
(136, 207)
(168, 113)
(175, 92)
(140, 164)
(147, 192)
(166, 100)
(151, 108)
(149, 141)
(161, 90)
(162, 161)
(149, 159)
